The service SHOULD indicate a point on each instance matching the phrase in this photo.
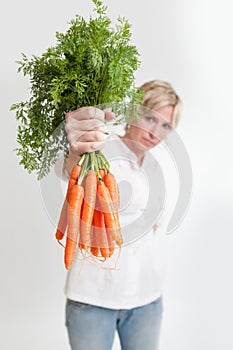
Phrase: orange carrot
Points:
(75, 203)
(88, 209)
(80, 244)
(100, 231)
(107, 208)
(94, 245)
(102, 172)
(75, 172)
(62, 223)
(112, 185)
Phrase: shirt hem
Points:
(104, 304)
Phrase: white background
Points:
(188, 43)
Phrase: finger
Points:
(87, 136)
(91, 124)
(109, 115)
(92, 136)
(75, 130)
(86, 147)
(85, 113)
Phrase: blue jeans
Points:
(92, 327)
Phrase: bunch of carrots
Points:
(89, 215)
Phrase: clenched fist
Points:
(85, 129)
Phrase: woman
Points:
(127, 299)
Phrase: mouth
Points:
(148, 143)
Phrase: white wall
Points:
(188, 43)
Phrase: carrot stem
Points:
(82, 159)
(85, 168)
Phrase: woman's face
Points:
(152, 127)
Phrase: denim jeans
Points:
(93, 328)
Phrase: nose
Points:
(155, 132)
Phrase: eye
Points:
(149, 119)
(167, 126)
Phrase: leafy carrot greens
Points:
(93, 63)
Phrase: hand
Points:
(85, 129)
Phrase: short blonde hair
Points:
(158, 94)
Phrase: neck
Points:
(139, 152)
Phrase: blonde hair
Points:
(158, 94)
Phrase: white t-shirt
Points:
(137, 278)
